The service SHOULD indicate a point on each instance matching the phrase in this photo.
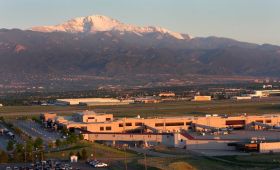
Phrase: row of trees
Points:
(28, 151)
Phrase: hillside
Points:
(118, 54)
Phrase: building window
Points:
(158, 124)
(84, 127)
(91, 117)
(175, 124)
(138, 124)
(120, 125)
(235, 122)
(101, 128)
(267, 121)
(128, 124)
(108, 128)
(188, 123)
(108, 119)
(260, 121)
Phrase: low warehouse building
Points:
(202, 98)
(87, 100)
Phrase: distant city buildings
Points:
(265, 93)
(167, 94)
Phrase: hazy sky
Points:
(246, 20)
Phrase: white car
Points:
(101, 165)
(8, 168)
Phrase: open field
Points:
(259, 106)
(36, 110)
(97, 150)
(178, 108)
(195, 162)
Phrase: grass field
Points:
(95, 149)
(179, 108)
(191, 162)
(261, 106)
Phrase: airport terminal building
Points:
(101, 122)
(243, 132)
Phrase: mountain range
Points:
(107, 49)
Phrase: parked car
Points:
(101, 165)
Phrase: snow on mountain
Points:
(99, 23)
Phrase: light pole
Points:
(145, 160)
(125, 162)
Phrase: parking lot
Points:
(4, 142)
(36, 130)
(74, 166)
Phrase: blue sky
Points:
(246, 20)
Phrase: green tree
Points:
(64, 130)
(29, 145)
(72, 138)
(58, 142)
(17, 130)
(84, 154)
(10, 145)
(78, 155)
(81, 136)
(19, 147)
(38, 143)
(71, 154)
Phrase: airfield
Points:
(154, 158)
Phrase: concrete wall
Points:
(209, 144)
(166, 139)
(269, 147)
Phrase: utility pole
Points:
(125, 162)
(145, 160)
(94, 151)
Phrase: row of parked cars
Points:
(97, 164)
(44, 165)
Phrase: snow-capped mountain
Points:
(99, 23)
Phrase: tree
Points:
(58, 142)
(17, 130)
(29, 145)
(78, 155)
(64, 130)
(4, 157)
(71, 154)
(38, 143)
(84, 154)
(19, 147)
(72, 138)
(81, 136)
(10, 145)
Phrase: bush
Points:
(3, 157)
(84, 154)
(10, 145)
